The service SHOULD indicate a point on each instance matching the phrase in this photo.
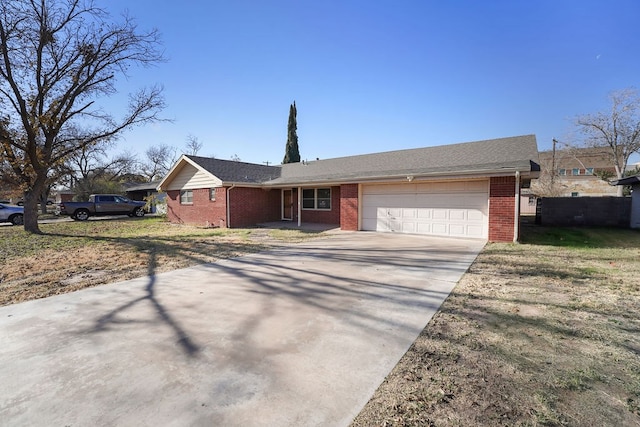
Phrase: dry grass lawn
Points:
(545, 333)
(73, 255)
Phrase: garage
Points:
(452, 208)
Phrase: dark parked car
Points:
(21, 202)
(101, 204)
(12, 214)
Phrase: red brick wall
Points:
(203, 212)
(349, 207)
(251, 206)
(324, 217)
(502, 194)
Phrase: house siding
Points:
(325, 217)
(203, 212)
(251, 206)
(502, 199)
(349, 207)
(190, 178)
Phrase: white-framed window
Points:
(589, 171)
(212, 194)
(316, 199)
(186, 197)
(562, 172)
(576, 171)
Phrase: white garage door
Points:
(456, 209)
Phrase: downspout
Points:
(516, 223)
(229, 206)
(299, 207)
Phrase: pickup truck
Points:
(100, 205)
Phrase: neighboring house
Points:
(528, 202)
(461, 190)
(574, 173)
(144, 192)
(63, 196)
(634, 182)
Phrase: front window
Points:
(576, 171)
(316, 198)
(212, 194)
(562, 172)
(186, 197)
(589, 171)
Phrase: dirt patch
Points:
(532, 335)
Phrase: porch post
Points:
(516, 223)
(299, 206)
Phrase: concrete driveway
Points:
(301, 335)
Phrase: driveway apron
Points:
(298, 335)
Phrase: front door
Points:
(287, 205)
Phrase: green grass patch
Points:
(581, 237)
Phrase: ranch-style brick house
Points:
(467, 190)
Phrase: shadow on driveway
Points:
(299, 335)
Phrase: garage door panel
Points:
(474, 215)
(457, 230)
(440, 213)
(457, 214)
(439, 228)
(474, 231)
(424, 214)
(423, 228)
(408, 227)
(445, 209)
(409, 213)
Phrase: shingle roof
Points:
(232, 171)
(590, 157)
(508, 154)
(512, 154)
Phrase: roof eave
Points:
(630, 180)
(472, 173)
(242, 184)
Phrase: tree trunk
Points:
(620, 175)
(43, 203)
(31, 198)
(31, 212)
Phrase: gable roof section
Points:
(221, 171)
(504, 155)
(229, 171)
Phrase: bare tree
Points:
(160, 159)
(58, 59)
(618, 129)
(192, 146)
(547, 185)
(92, 170)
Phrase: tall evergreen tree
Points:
(292, 154)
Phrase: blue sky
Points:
(370, 76)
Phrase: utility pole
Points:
(553, 162)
